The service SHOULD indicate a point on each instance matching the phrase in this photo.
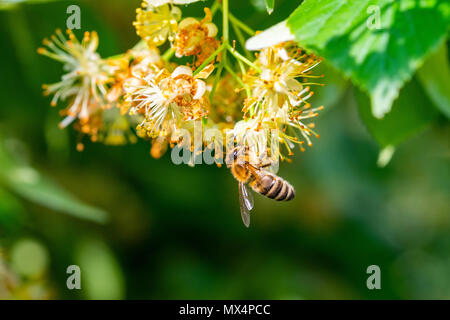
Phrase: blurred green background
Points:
(141, 228)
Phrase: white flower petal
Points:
(187, 22)
(212, 29)
(201, 89)
(277, 34)
(205, 72)
(185, 1)
(266, 74)
(280, 87)
(181, 70)
(293, 84)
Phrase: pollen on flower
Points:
(156, 24)
(278, 99)
(167, 100)
(196, 38)
(84, 84)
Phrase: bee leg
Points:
(268, 164)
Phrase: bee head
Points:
(234, 155)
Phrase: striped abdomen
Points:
(273, 187)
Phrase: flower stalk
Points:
(209, 59)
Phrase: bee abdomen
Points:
(291, 193)
(279, 188)
(286, 191)
(274, 187)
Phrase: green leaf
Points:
(101, 274)
(411, 113)
(37, 188)
(270, 4)
(378, 43)
(435, 78)
(33, 186)
(11, 212)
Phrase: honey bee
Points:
(259, 179)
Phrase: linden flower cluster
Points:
(86, 77)
(186, 71)
(88, 85)
(278, 100)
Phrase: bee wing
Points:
(244, 204)
(247, 196)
